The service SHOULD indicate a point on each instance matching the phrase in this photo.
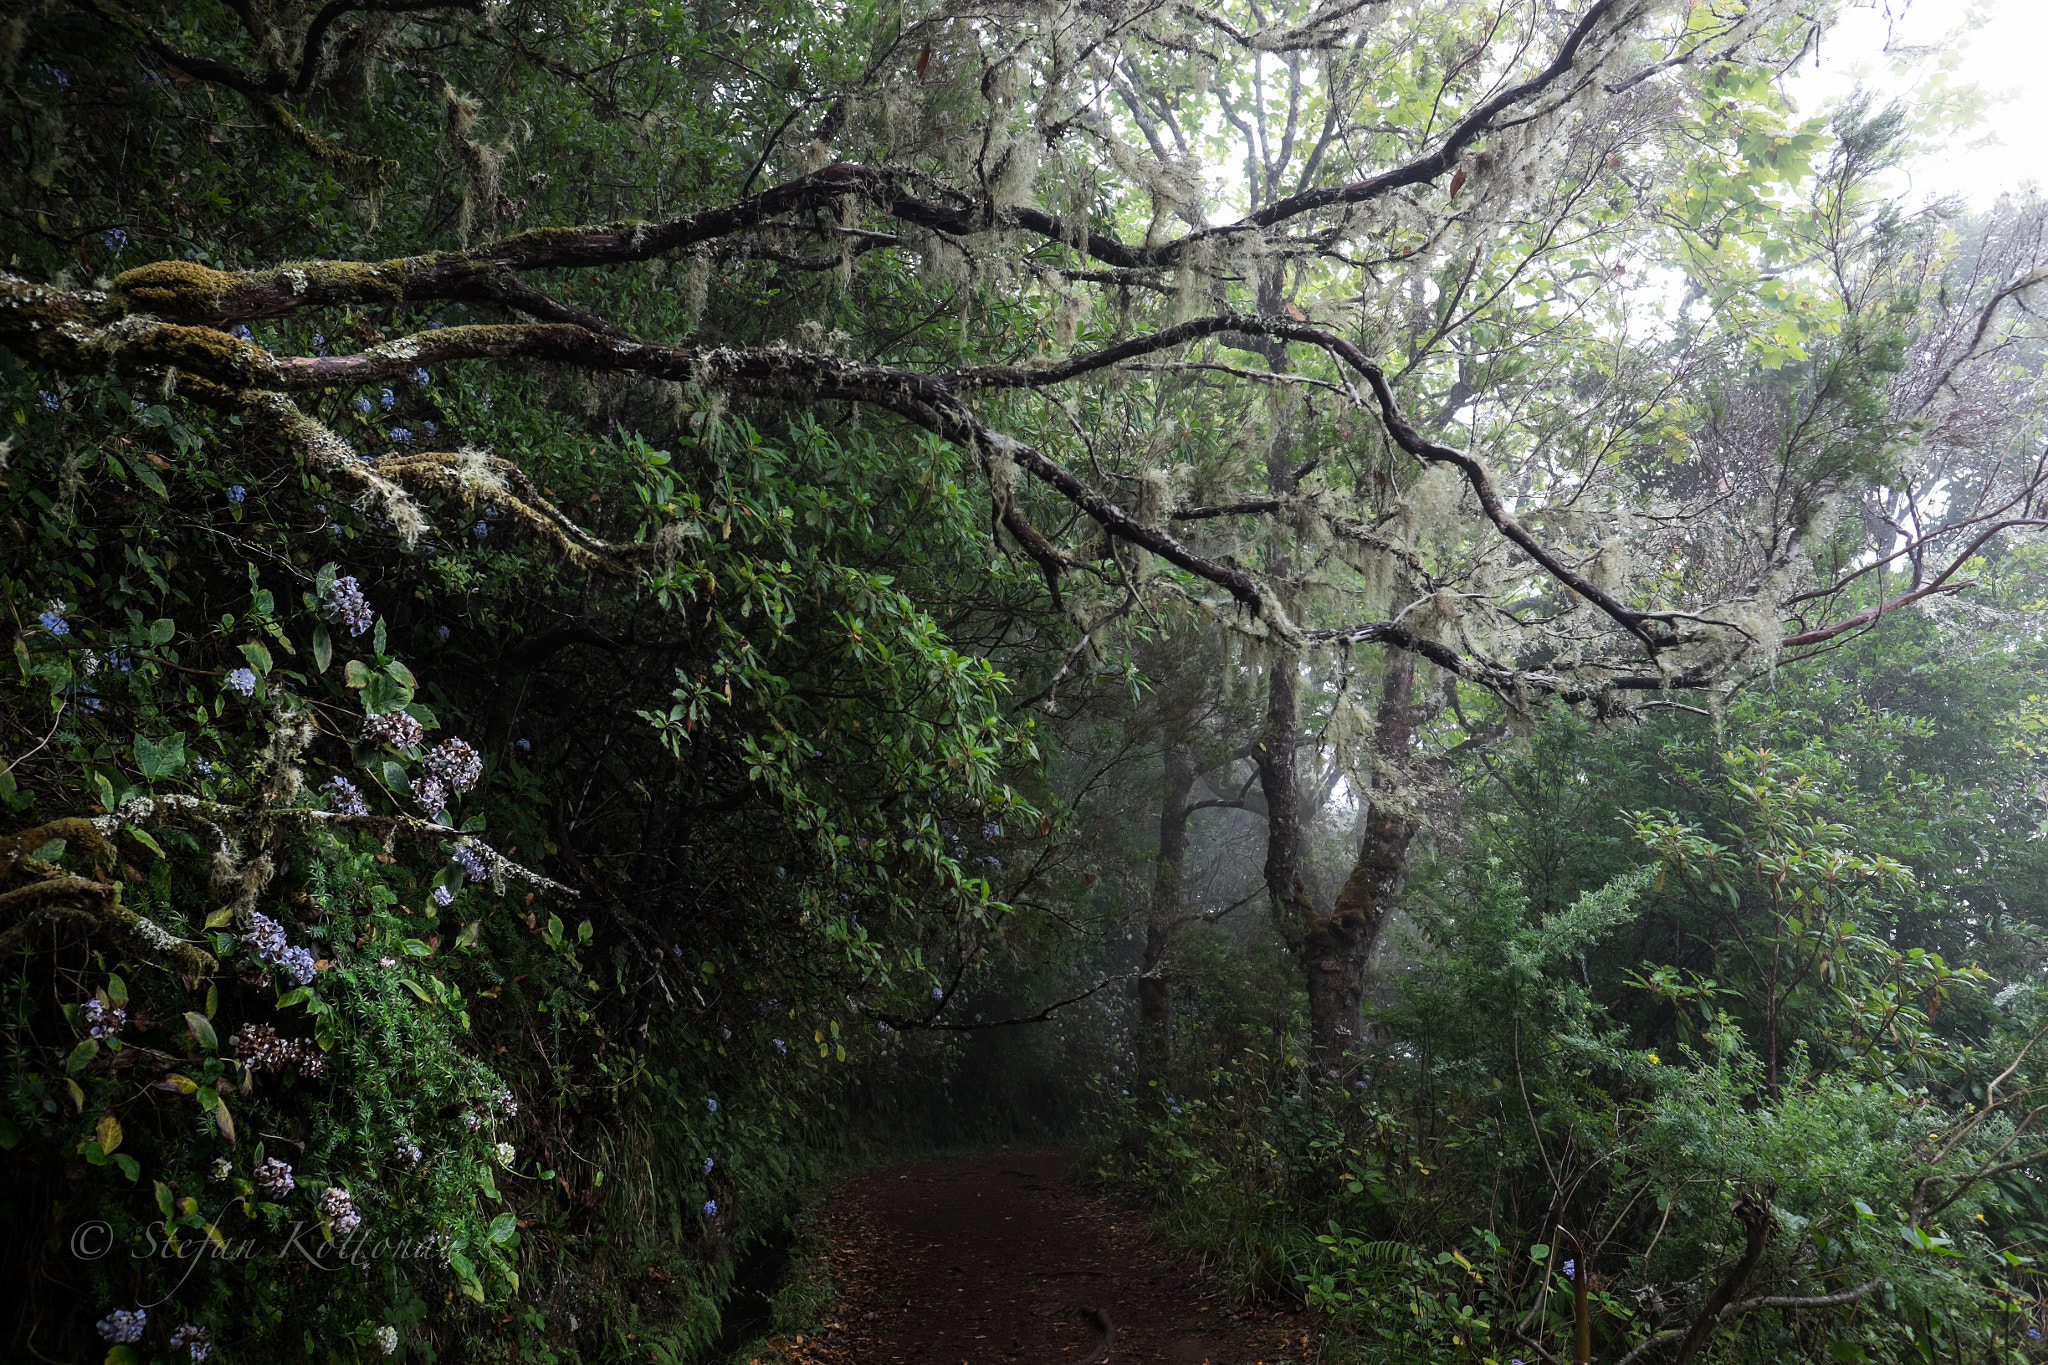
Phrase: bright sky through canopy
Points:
(1930, 54)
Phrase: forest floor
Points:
(998, 1260)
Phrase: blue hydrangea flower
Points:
(298, 964)
(243, 680)
(435, 325)
(400, 435)
(116, 240)
(202, 767)
(387, 399)
(781, 1046)
(62, 82)
(236, 493)
(53, 620)
(1571, 1270)
(938, 993)
(123, 1327)
(443, 896)
(480, 530)
(363, 406)
(441, 631)
(420, 377)
(526, 747)
(708, 1164)
(711, 1104)
(711, 1208)
(50, 400)
(430, 429)
(240, 332)
(319, 344)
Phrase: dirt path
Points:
(995, 1260)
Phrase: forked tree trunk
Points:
(1337, 946)
(1155, 998)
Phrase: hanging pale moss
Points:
(366, 174)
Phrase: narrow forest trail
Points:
(997, 1260)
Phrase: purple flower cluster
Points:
(394, 729)
(115, 240)
(405, 1152)
(430, 794)
(344, 797)
(122, 1327)
(420, 377)
(274, 1178)
(401, 435)
(711, 1208)
(456, 762)
(504, 1102)
(336, 1204)
(387, 400)
(242, 680)
(102, 1019)
(443, 896)
(268, 942)
(194, 1338)
(471, 862)
(347, 605)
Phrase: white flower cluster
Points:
(456, 762)
(394, 729)
(274, 1179)
(337, 1205)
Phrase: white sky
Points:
(1926, 53)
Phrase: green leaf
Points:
(357, 674)
(417, 989)
(161, 631)
(258, 656)
(402, 674)
(49, 852)
(384, 693)
(149, 478)
(377, 637)
(130, 1167)
(504, 1227)
(202, 1030)
(142, 836)
(117, 990)
(159, 757)
(394, 776)
(323, 649)
(80, 1056)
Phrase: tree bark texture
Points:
(1155, 997)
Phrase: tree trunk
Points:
(1340, 944)
(1155, 999)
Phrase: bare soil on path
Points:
(998, 1260)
